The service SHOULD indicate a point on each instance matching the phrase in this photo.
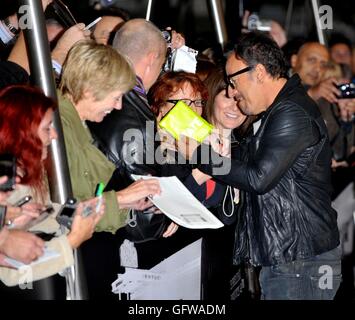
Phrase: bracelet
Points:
(11, 27)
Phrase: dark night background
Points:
(193, 19)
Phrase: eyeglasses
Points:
(198, 103)
(230, 81)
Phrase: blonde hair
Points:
(95, 67)
(333, 70)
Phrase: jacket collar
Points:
(294, 81)
(72, 116)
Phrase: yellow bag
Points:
(182, 120)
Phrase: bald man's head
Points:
(311, 62)
(143, 43)
(138, 37)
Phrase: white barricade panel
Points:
(175, 278)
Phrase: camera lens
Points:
(167, 35)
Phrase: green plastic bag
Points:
(182, 120)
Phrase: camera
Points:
(66, 213)
(347, 90)
(255, 23)
(8, 168)
(168, 65)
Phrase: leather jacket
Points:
(127, 138)
(285, 170)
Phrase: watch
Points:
(11, 27)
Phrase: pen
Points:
(90, 25)
(99, 191)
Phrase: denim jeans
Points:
(315, 278)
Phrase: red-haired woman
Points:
(26, 131)
(164, 94)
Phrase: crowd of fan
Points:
(110, 80)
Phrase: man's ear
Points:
(151, 57)
(294, 59)
(260, 73)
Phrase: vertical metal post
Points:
(40, 63)
(288, 17)
(149, 9)
(315, 7)
(218, 19)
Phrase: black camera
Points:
(167, 34)
(8, 168)
(347, 90)
(66, 213)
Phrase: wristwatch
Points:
(12, 29)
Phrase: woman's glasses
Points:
(198, 103)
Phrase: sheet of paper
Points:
(181, 206)
(47, 255)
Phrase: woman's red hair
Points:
(171, 82)
(22, 109)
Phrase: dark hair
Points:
(255, 47)
(215, 83)
(111, 12)
(338, 38)
(171, 82)
(22, 109)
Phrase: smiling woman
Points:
(93, 81)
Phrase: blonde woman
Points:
(94, 79)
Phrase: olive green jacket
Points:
(88, 166)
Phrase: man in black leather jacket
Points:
(288, 225)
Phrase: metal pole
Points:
(315, 7)
(288, 17)
(149, 9)
(42, 75)
(218, 19)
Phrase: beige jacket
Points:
(60, 244)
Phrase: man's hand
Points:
(347, 109)
(278, 33)
(325, 89)
(135, 194)
(67, 40)
(177, 39)
(45, 4)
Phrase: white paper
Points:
(181, 206)
(175, 278)
(47, 255)
(184, 59)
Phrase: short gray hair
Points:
(138, 37)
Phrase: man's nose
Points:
(232, 92)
